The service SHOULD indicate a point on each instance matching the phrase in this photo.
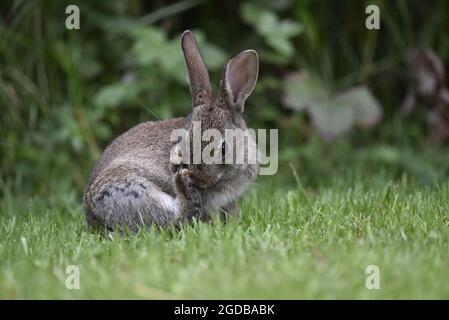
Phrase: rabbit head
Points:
(216, 113)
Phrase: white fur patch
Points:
(166, 201)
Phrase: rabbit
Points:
(136, 182)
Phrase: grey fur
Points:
(133, 183)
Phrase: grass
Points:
(290, 244)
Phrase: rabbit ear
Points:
(200, 88)
(240, 77)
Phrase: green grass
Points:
(289, 244)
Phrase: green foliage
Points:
(276, 32)
(332, 115)
(65, 94)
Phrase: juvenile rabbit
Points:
(135, 181)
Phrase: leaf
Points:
(366, 109)
(150, 44)
(276, 33)
(331, 115)
(301, 91)
(114, 94)
(153, 48)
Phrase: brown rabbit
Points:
(135, 181)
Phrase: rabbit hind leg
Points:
(131, 203)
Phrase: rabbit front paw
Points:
(176, 159)
(189, 196)
(184, 184)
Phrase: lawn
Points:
(292, 242)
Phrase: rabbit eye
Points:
(223, 149)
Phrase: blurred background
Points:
(347, 101)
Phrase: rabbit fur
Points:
(134, 183)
